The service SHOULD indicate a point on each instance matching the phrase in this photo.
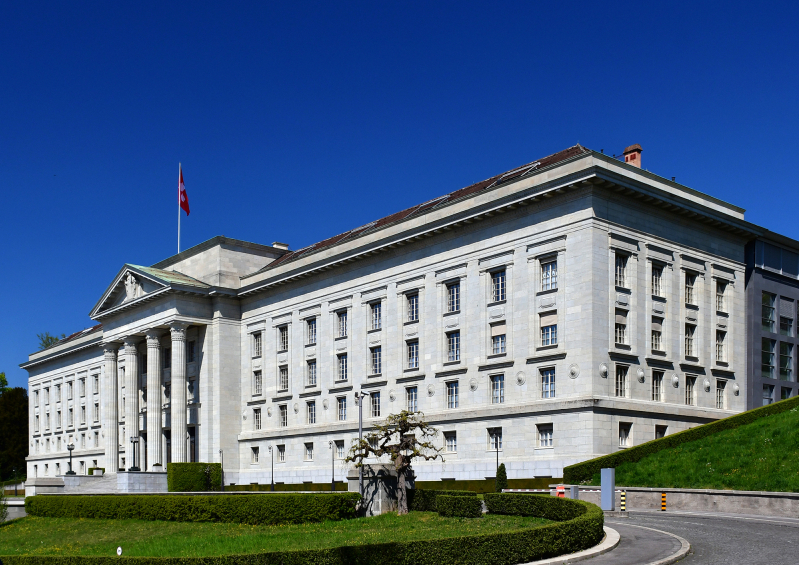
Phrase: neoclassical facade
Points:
(565, 309)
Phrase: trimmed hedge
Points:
(578, 533)
(423, 500)
(488, 485)
(193, 477)
(501, 481)
(459, 506)
(539, 505)
(261, 509)
(585, 471)
(93, 469)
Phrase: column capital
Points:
(111, 348)
(178, 330)
(153, 337)
(131, 341)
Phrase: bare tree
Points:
(403, 437)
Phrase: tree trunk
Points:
(402, 492)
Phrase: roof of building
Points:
(76, 335)
(171, 277)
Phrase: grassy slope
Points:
(762, 455)
(65, 536)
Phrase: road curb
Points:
(610, 541)
(685, 547)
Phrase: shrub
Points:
(539, 505)
(262, 509)
(459, 506)
(423, 500)
(502, 479)
(585, 471)
(3, 505)
(193, 477)
(488, 485)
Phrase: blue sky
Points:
(296, 120)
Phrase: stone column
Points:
(131, 399)
(111, 409)
(178, 395)
(154, 430)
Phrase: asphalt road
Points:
(716, 539)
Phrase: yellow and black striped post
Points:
(663, 502)
(624, 501)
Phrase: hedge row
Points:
(459, 506)
(263, 509)
(539, 505)
(193, 477)
(585, 471)
(488, 485)
(423, 500)
(578, 533)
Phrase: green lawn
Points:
(68, 536)
(762, 455)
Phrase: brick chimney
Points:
(632, 155)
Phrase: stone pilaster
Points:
(154, 429)
(178, 395)
(110, 409)
(131, 399)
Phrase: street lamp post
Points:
(332, 466)
(359, 397)
(272, 454)
(70, 447)
(134, 443)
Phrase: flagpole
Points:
(179, 170)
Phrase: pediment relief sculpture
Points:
(133, 288)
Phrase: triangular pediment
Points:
(130, 284)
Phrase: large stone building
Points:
(565, 309)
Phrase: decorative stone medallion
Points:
(392, 396)
(603, 370)
(706, 384)
(431, 390)
(520, 378)
(736, 389)
(641, 375)
(296, 408)
(574, 371)
(325, 404)
(243, 414)
(473, 384)
(269, 412)
(675, 380)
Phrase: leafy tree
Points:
(403, 437)
(3, 383)
(46, 340)
(13, 431)
(502, 478)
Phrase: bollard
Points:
(663, 502)
(624, 501)
(574, 492)
(561, 491)
(608, 494)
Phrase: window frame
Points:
(412, 307)
(545, 436)
(689, 340)
(283, 378)
(341, 408)
(376, 360)
(310, 412)
(721, 295)
(547, 377)
(549, 274)
(625, 434)
(257, 344)
(374, 404)
(453, 296)
(499, 285)
(412, 398)
(622, 381)
(257, 383)
(497, 383)
(690, 390)
(376, 315)
(342, 324)
(282, 338)
(453, 394)
(454, 346)
(342, 367)
(690, 288)
(310, 331)
(412, 357)
(657, 385)
(657, 280)
(620, 269)
(454, 444)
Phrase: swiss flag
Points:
(184, 198)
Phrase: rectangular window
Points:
(284, 415)
(281, 453)
(767, 311)
(657, 333)
(786, 326)
(547, 383)
(36, 398)
(69, 390)
(621, 327)
(625, 430)
(454, 346)
(721, 399)
(498, 338)
(767, 358)
(47, 395)
(254, 453)
(454, 297)
(377, 359)
(413, 354)
(690, 391)
(690, 329)
(36, 424)
(497, 389)
(621, 270)
(342, 323)
(549, 275)
(96, 442)
(310, 410)
(310, 328)
(412, 307)
(375, 396)
(284, 378)
(191, 353)
(167, 359)
(256, 418)
(657, 386)
(452, 394)
(621, 380)
(342, 367)
(660, 431)
(786, 393)
(411, 396)
(377, 315)
(70, 420)
(309, 452)
(341, 403)
(96, 415)
(312, 373)
(721, 346)
(544, 435)
(657, 280)
(549, 329)
(96, 378)
(495, 439)
(498, 284)
(340, 449)
(257, 383)
(82, 415)
(83, 387)
(58, 419)
(721, 296)
(786, 361)
(451, 442)
(283, 338)
(768, 395)
(690, 281)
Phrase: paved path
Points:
(638, 545)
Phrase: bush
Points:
(575, 474)
(193, 477)
(93, 469)
(423, 500)
(261, 509)
(502, 479)
(459, 506)
(539, 505)
(488, 485)
(3, 505)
